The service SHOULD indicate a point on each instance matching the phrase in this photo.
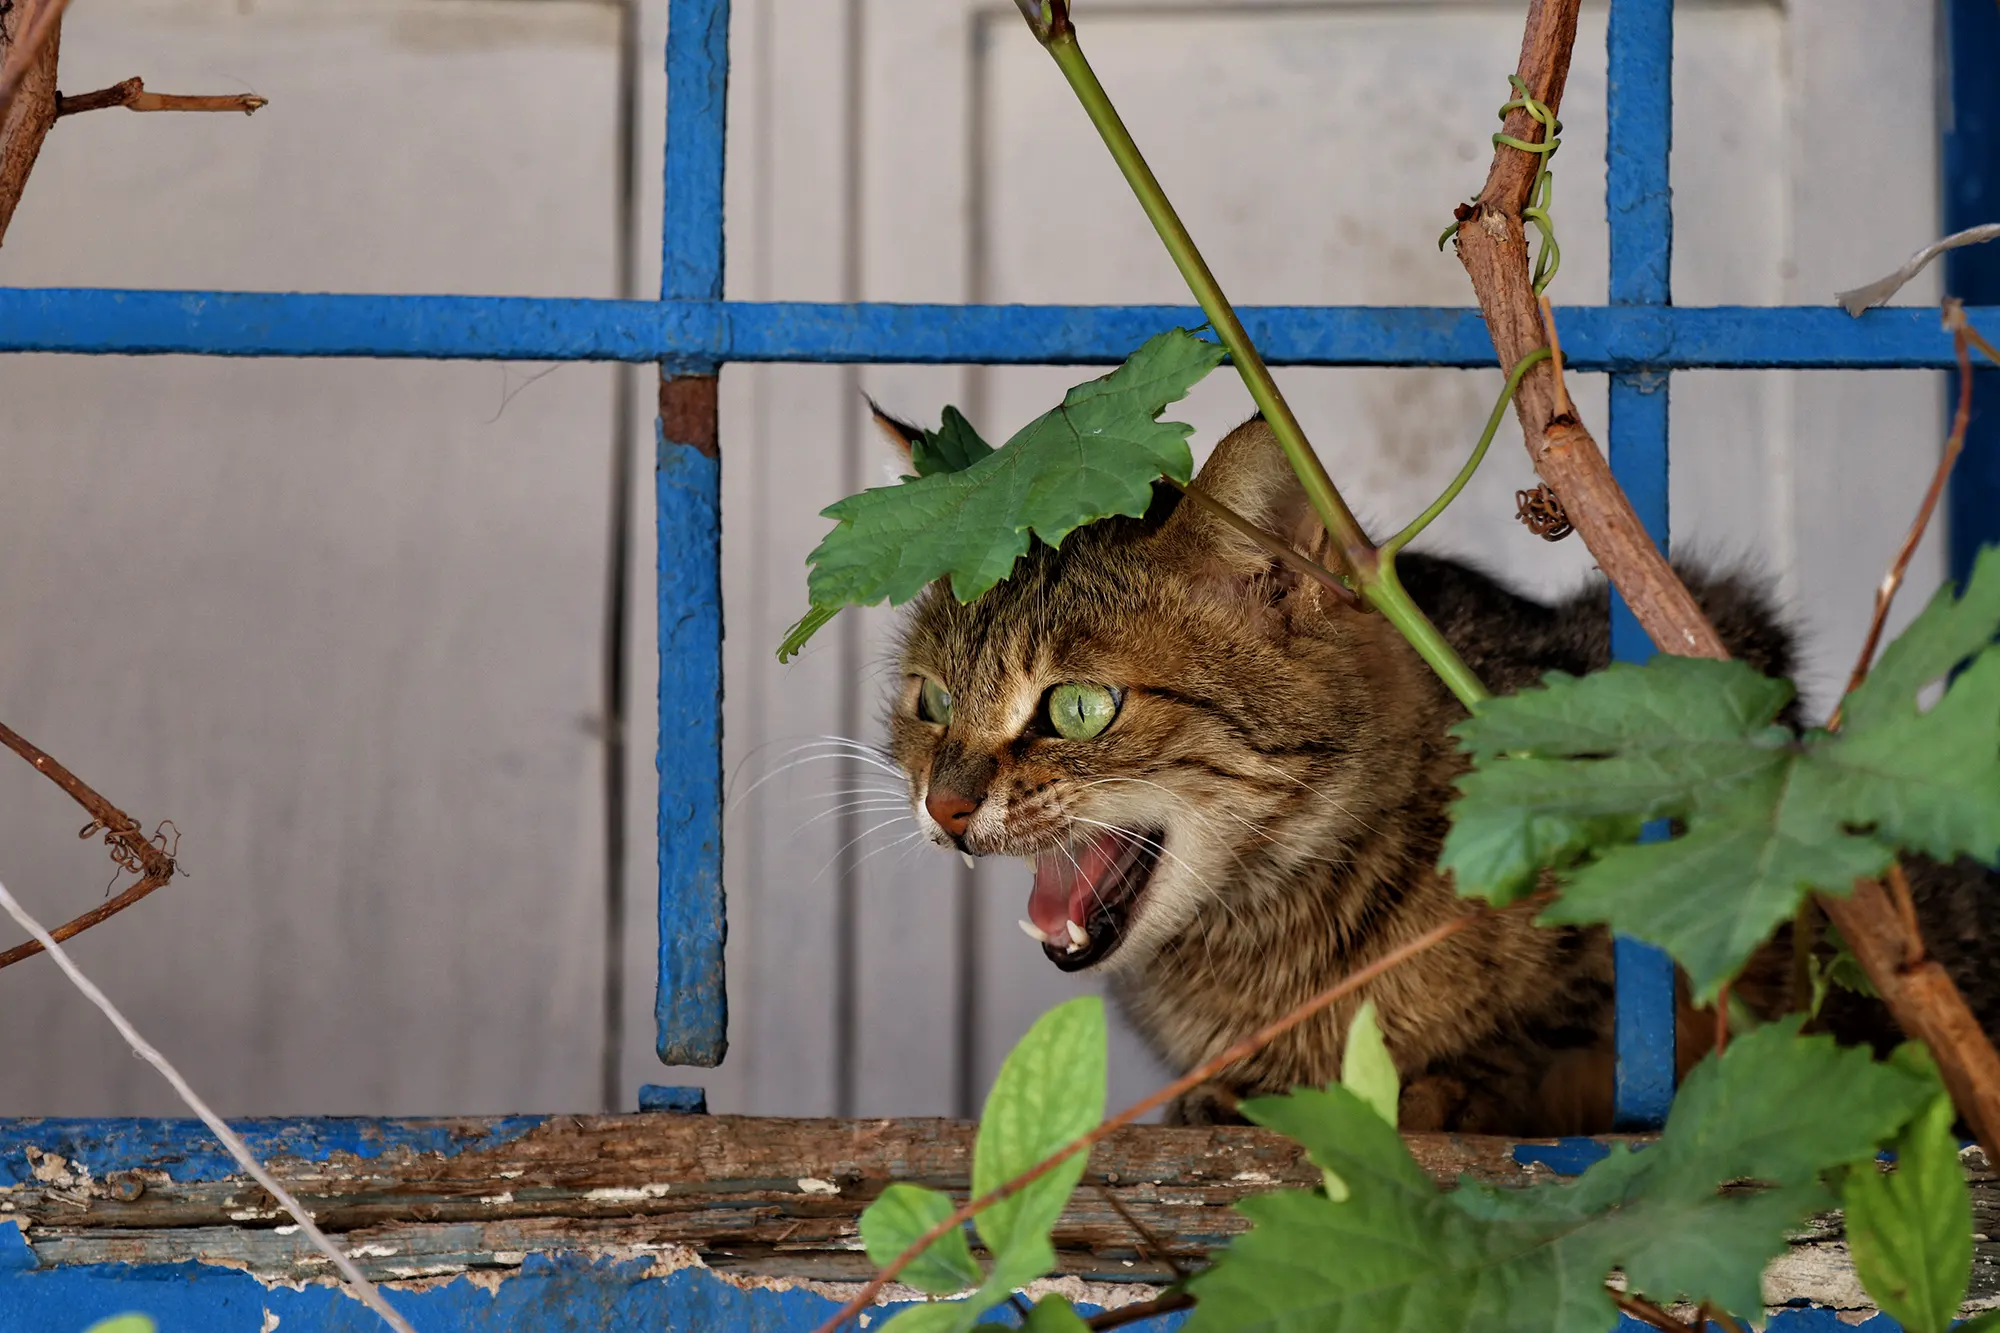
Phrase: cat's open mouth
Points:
(1085, 893)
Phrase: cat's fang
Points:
(1078, 936)
(1033, 931)
(970, 864)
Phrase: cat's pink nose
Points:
(951, 811)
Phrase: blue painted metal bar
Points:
(1971, 182)
(691, 244)
(694, 333)
(1638, 141)
(691, 1005)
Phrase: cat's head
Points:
(1159, 716)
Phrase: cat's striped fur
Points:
(1293, 752)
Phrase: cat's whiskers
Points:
(1340, 807)
(1194, 812)
(869, 807)
(799, 757)
(1215, 837)
(865, 833)
(905, 842)
(1142, 840)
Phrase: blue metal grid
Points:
(1971, 196)
(691, 331)
(1639, 337)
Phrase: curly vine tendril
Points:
(1549, 257)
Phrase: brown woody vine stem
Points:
(1494, 250)
(130, 847)
(132, 95)
(1885, 595)
(30, 38)
(1187, 1082)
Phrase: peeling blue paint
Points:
(560, 1292)
(552, 1293)
(187, 1151)
(1566, 1157)
(15, 1256)
(658, 1097)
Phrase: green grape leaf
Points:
(1566, 774)
(896, 1220)
(1053, 1314)
(1365, 1067)
(1910, 1229)
(1096, 455)
(1412, 1258)
(1050, 1090)
(952, 447)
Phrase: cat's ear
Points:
(900, 434)
(1248, 473)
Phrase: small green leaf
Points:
(1565, 775)
(1910, 1229)
(124, 1323)
(1365, 1067)
(1050, 1091)
(809, 624)
(1414, 1259)
(952, 447)
(895, 1221)
(1988, 1322)
(1053, 1314)
(1096, 455)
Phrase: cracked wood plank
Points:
(752, 1199)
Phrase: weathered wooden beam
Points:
(755, 1199)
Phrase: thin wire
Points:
(364, 1290)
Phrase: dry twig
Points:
(357, 1282)
(1885, 594)
(1880, 290)
(30, 42)
(1187, 1082)
(132, 95)
(1150, 1245)
(1137, 1310)
(1645, 1311)
(149, 858)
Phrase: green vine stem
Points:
(1421, 521)
(1378, 585)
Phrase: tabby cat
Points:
(1232, 787)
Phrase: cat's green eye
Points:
(934, 703)
(1079, 711)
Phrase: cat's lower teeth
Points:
(1078, 936)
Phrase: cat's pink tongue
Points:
(1066, 881)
